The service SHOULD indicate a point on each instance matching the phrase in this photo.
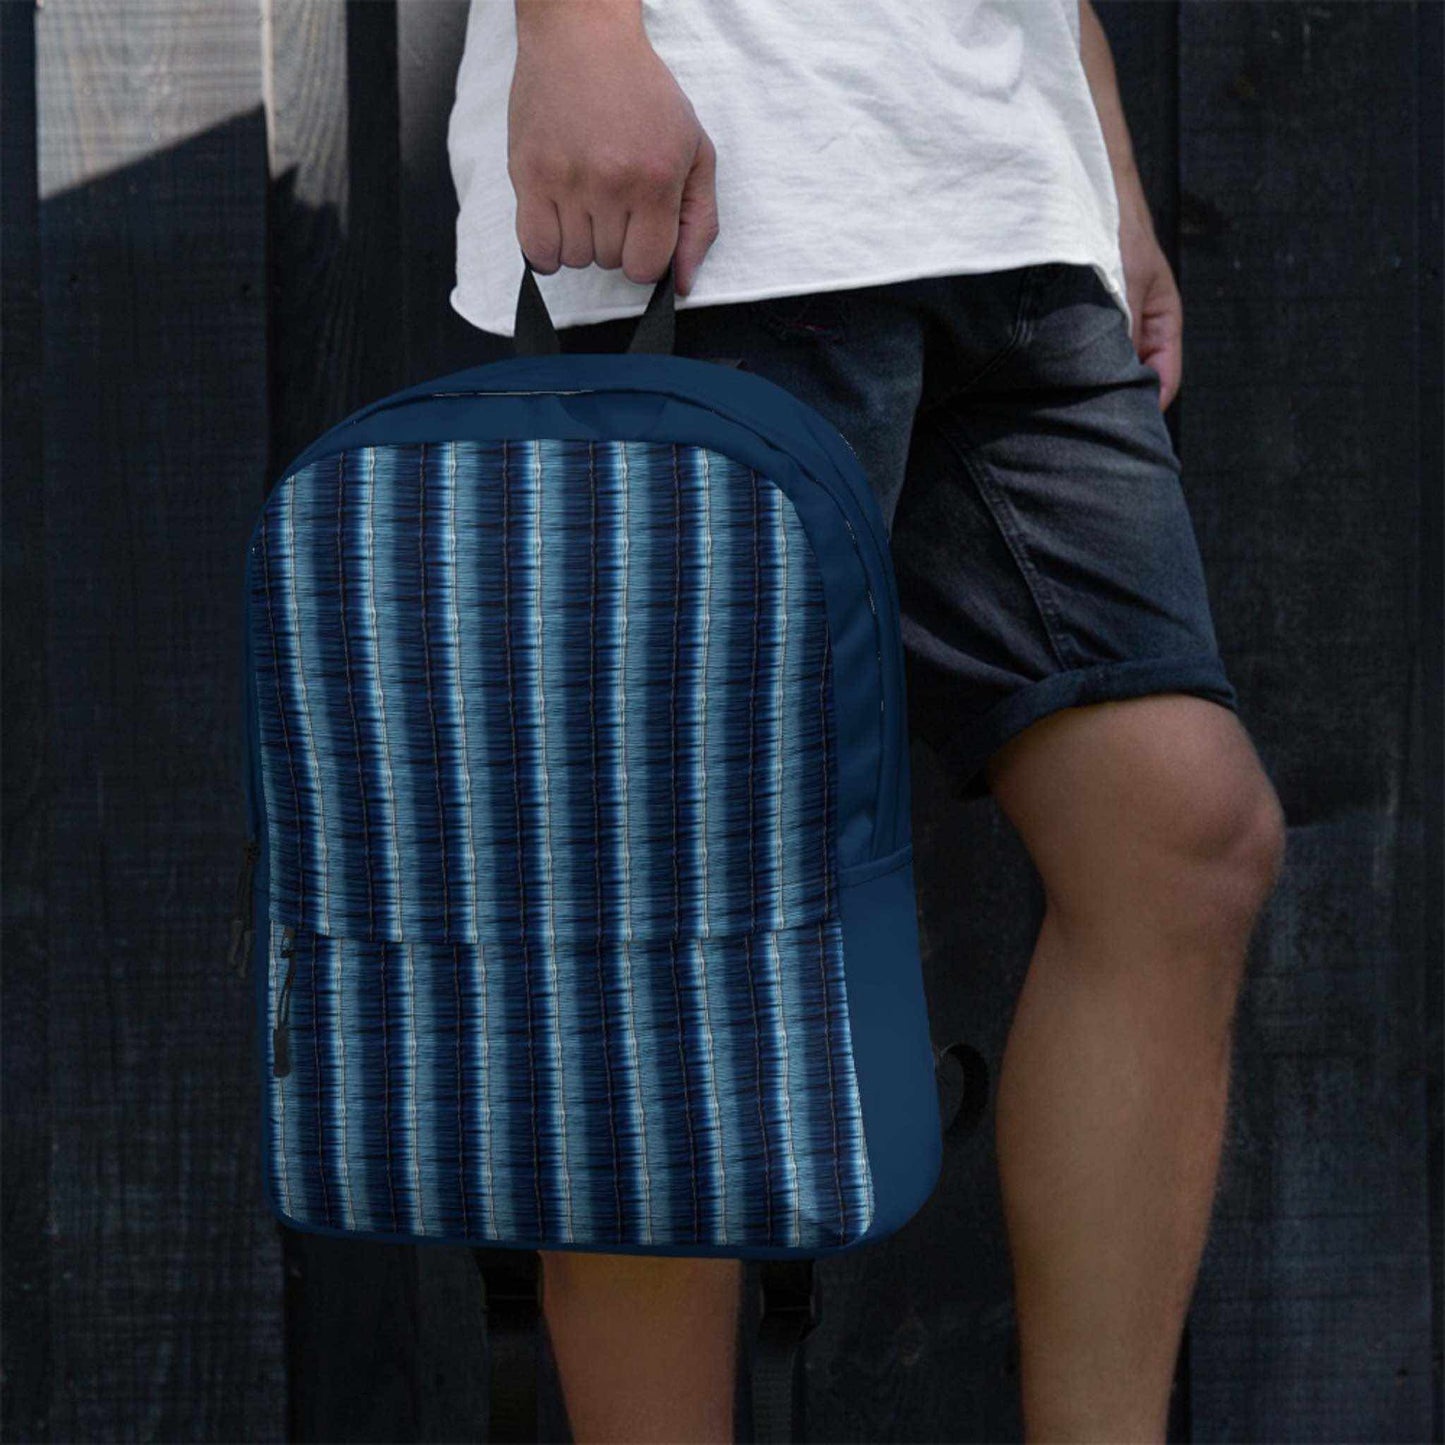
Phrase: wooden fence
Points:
(227, 223)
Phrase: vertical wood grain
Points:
(1430, 683)
(429, 50)
(164, 1271)
(25, 1355)
(336, 304)
(1301, 450)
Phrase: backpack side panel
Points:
(892, 1050)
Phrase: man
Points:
(925, 221)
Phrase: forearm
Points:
(1098, 62)
(1136, 225)
(1154, 302)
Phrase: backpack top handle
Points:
(536, 336)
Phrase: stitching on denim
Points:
(1001, 509)
(789, 322)
(1022, 324)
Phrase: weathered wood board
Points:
(164, 1279)
(1301, 428)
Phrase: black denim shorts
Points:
(1043, 547)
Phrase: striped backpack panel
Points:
(584, 910)
(485, 660)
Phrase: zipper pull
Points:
(281, 1035)
(240, 949)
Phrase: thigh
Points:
(1045, 552)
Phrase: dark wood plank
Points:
(386, 1342)
(429, 49)
(163, 1266)
(1301, 427)
(25, 1354)
(335, 297)
(1430, 690)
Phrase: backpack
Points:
(579, 896)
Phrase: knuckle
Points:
(539, 169)
(611, 174)
(643, 270)
(653, 175)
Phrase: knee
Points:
(1236, 838)
(1220, 847)
(1150, 820)
(1194, 858)
(1265, 839)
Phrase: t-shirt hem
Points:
(588, 315)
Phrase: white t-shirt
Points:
(858, 142)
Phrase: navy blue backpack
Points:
(582, 911)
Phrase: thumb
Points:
(697, 224)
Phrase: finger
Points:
(576, 249)
(1161, 347)
(697, 226)
(1169, 364)
(539, 232)
(650, 241)
(609, 233)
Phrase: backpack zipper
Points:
(241, 930)
(281, 1035)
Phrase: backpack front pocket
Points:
(687, 1091)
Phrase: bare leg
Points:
(645, 1346)
(1158, 837)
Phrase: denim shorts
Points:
(1044, 551)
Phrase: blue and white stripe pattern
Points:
(548, 756)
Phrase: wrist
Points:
(546, 21)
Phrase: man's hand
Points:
(1153, 295)
(605, 153)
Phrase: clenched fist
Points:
(605, 153)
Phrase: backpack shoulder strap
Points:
(511, 1287)
(789, 1314)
